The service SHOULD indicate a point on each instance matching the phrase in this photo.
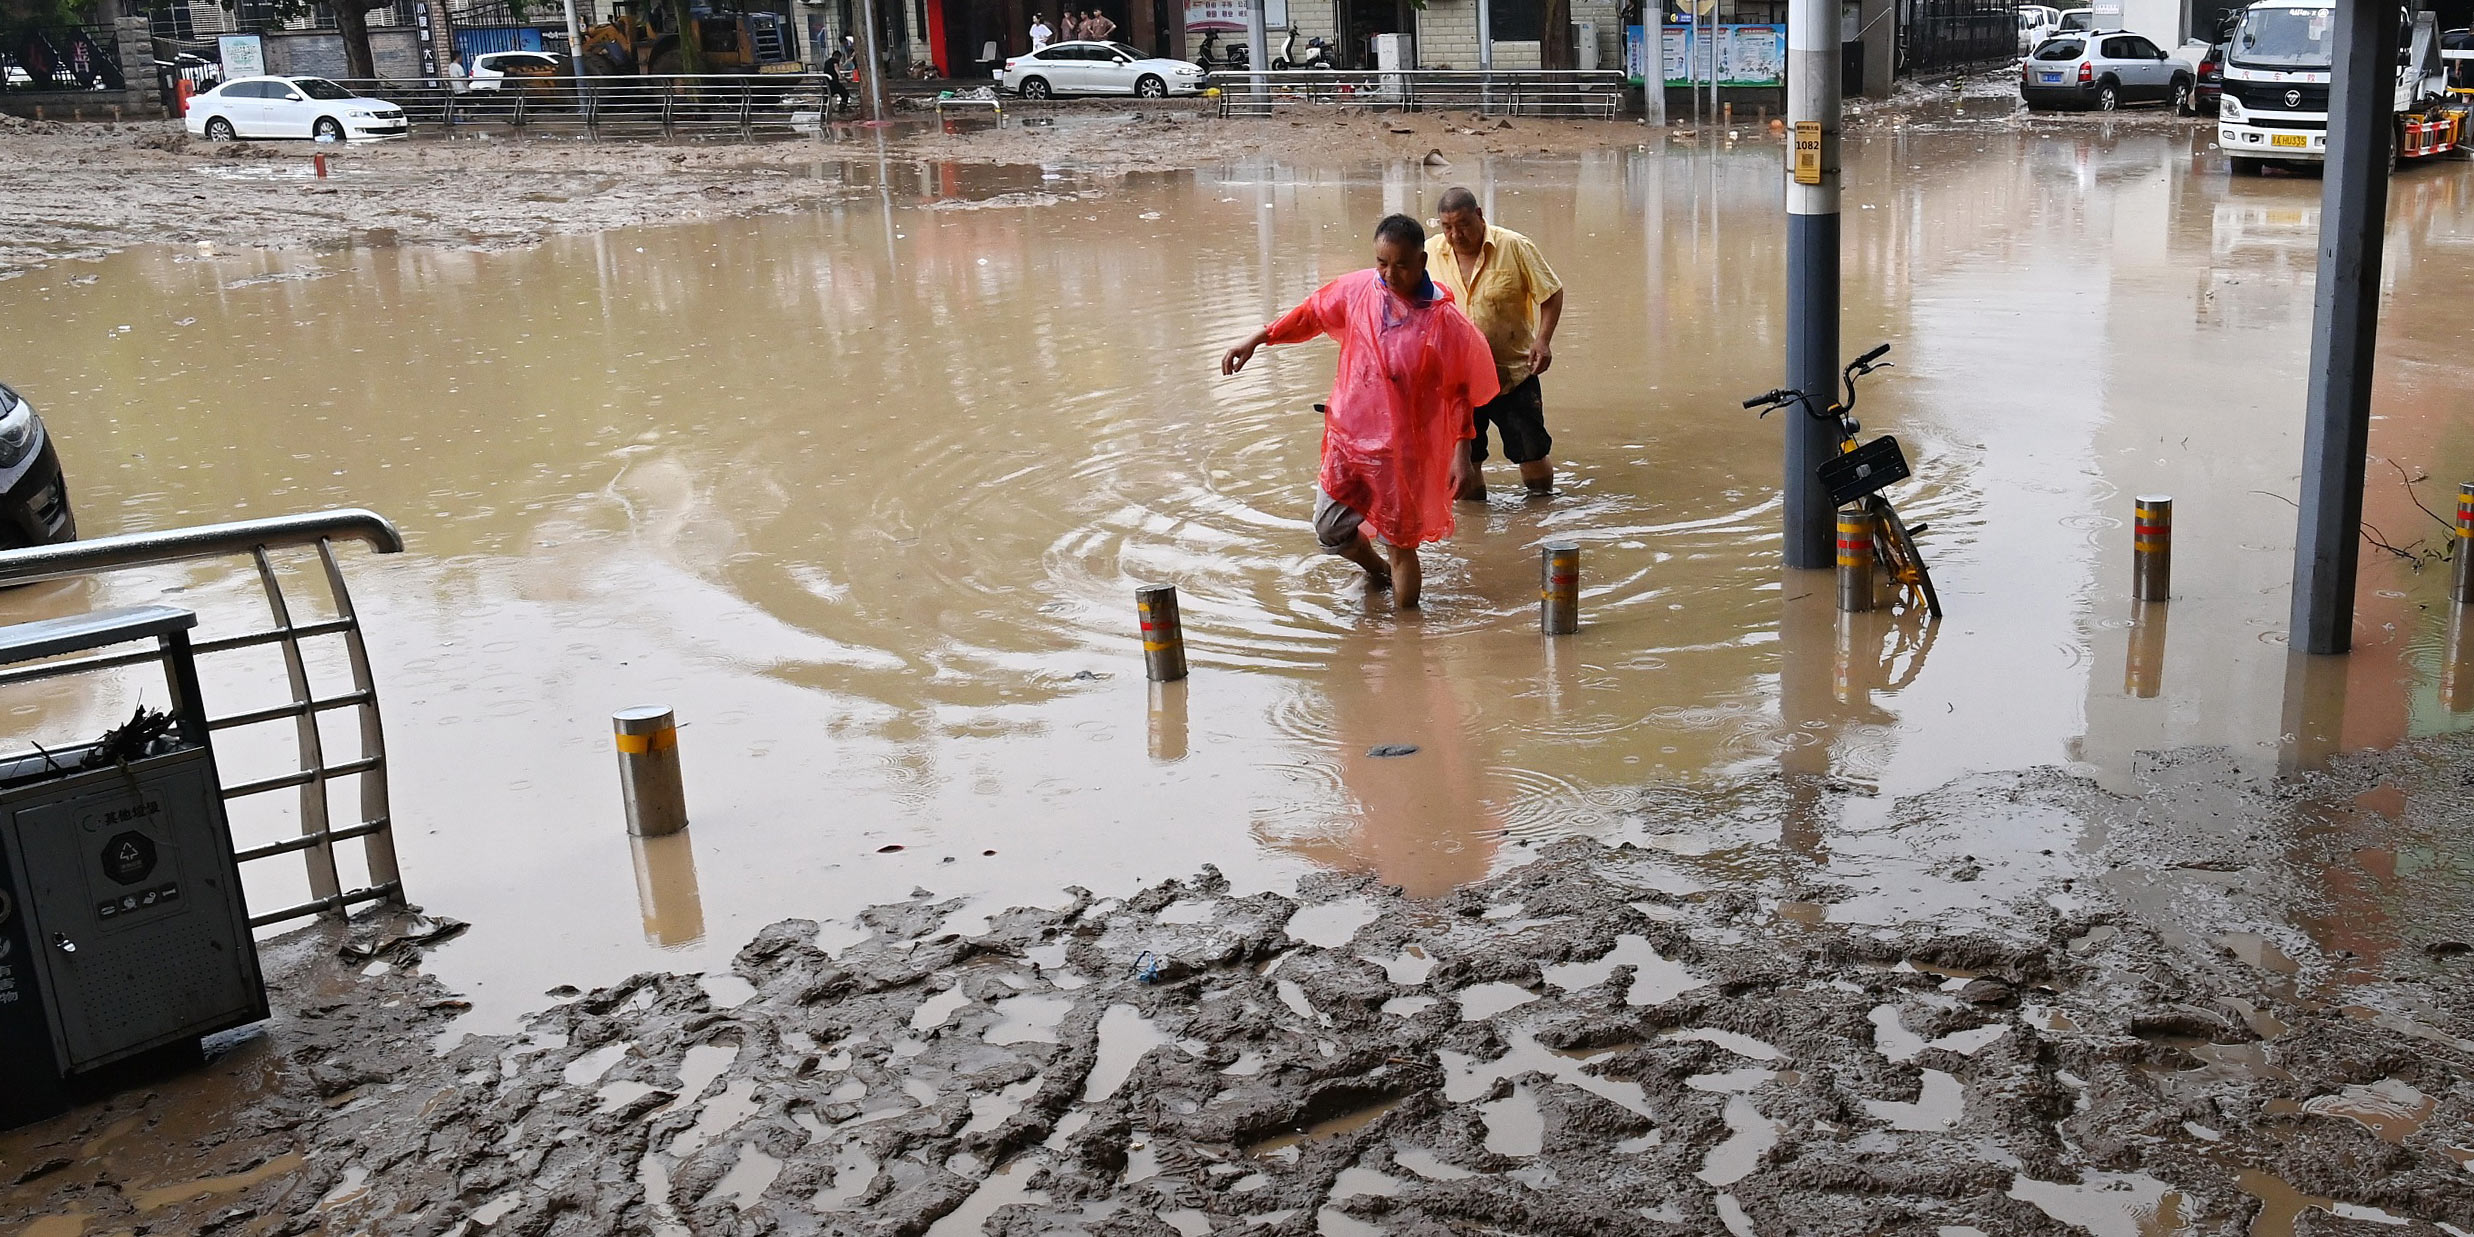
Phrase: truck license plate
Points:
(2288, 139)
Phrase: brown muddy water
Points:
(865, 492)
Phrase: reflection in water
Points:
(666, 889)
(2315, 691)
(2143, 666)
(872, 513)
(2457, 661)
(1168, 721)
(1419, 819)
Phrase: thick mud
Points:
(1591, 1043)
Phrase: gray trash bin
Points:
(123, 934)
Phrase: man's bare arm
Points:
(1542, 352)
(1235, 359)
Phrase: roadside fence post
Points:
(2151, 571)
(1163, 635)
(1855, 560)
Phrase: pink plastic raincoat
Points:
(1409, 374)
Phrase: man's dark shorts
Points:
(1520, 416)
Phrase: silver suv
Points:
(2104, 69)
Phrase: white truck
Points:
(2278, 67)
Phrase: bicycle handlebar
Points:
(1773, 398)
(1783, 396)
(1865, 361)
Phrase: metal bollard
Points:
(2461, 585)
(2143, 662)
(1559, 588)
(2151, 564)
(648, 757)
(1855, 560)
(319, 161)
(1163, 635)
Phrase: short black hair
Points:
(1455, 200)
(1402, 230)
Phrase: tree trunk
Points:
(691, 38)
(1555, 42)
(352, 21)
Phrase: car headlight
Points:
(16, 428)
(361, 114)
(2230, 106)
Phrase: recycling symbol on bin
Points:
(129, 858)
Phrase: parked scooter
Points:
(1212, 60)
(1318, 54)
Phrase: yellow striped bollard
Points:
(1559, 588)
(2151, 563)
(648, 757)
(1163, 635)
(1855, 560)
(2461, 585)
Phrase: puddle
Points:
(1002, 1188)
(1427, 1164)
(1343, 1123)
(2112, 1204)
(1125, 1035)
(2259, 951)
(1410, 1006)
(1410, 968)
(749, 1177)
(726, 991)
(1514, 1124)
(587, 1069)
(1654, 979)
(152, 1198)
(1938, 1107)
(2281, 1206)
(722, 1113)
(2389, 1108)
(1741, 1045)
(1027, 1019)
(1751, 1136)
(1331, 924)
(853, 1173)
(1482, 1001)
(933, 1012)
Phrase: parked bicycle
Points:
(1859, 473)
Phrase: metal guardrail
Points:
(318, 836)
(706, 105)
(1499, 92)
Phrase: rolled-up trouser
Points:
(1335, 525)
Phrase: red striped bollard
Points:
(2151, 563)
(1163, 635)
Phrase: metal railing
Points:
(1943, 35)
(1499, 92)
(54, 58)
(708, 105)
(254, 538)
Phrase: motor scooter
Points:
(1233, 59)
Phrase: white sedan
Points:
(1098, 68)
(311, 107)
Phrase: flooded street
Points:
(865, 492)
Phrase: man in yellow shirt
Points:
(1513, 296)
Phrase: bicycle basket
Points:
(1864, 470)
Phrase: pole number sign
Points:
(1808, 152)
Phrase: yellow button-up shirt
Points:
(1512, 280)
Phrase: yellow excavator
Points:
(641, 37)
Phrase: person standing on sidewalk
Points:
(1040, 33)
(1411, 369)
(1096, 27)
(1513, 296)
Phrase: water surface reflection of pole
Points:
(1812, 269)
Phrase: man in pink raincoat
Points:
(1395, 435)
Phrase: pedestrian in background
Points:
(1096, 27)
(1513, 296)
(1411, 369)
(1040, 33)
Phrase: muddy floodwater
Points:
(865, 492)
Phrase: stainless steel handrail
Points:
(320, 529)
(77, 558)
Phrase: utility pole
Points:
(1812, 271)
(1258, 56)
(575, 39)
(875, 68)
(2336, 433)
